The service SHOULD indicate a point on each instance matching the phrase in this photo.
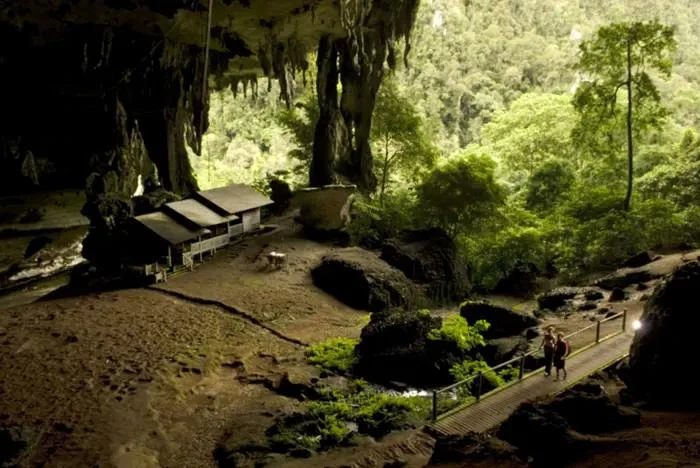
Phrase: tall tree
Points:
(399, 142)
(619, 57)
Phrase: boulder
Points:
(617, 295)
(540, 433)
(664, 348)
(14, 441)
(558, 297)
(642, 287)
(153, 200)
(591, 413)
(394, 346)
(593, 295)
(472, 447)
(520, 281)
(624, 279)
(359, 279)
(429, 256)
(637, 260)
(504, 321)
(324, 209)
(588, 305)
(531, 333)
(300, 387)
(499, 350)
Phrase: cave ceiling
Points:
(240, 29)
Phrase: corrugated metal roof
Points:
(235, 198)
(167, 228)
(195, 212)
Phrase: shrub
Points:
(456, 329)
(468, 369)
(334, 354)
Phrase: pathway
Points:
(494, 409)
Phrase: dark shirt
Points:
(561, 350)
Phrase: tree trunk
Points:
(630, 149)
(385, 170)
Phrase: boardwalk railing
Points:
(472, 389)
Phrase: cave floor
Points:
(147, 377)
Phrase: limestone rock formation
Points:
(665, 346)
(394, 346)
(364, 282)
(429, 257)
(540, 433)
(472, 448)
(559, 297)
(324, 210)
(504, 322)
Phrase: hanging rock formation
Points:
(97, 94)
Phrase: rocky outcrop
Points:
(541, 434)
(394, 346)
(360, 280)
(624, 278)
(14, 441)
(429, 257)
(152, 200)
(324, 209)
(499, 350)
(638, 260)
(472, 448)
(663, 349)
(589, 410)
(504, 322)
(559, 297)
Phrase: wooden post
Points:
(170, 258)
(597, 332)
(435, 396)
(478, 387)
(624, 319)
(522, 367)
(201, 256)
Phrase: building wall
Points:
(251, 219)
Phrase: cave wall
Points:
(87, 100)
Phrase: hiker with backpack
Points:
(561, 351)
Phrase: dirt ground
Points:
(147, 377)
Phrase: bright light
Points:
(636, 325)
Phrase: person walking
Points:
(561, 352)
(548, 343)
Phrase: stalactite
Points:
(371, 31)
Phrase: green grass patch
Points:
(456, 328)
(334, 354)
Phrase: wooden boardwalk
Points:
(494, 409)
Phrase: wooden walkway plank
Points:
(494, 409)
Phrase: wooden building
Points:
(168, 241)
(236, 200)
(184, 231)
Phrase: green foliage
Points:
(619, 57)
(469, 369)
(549, 182)
(374, 220)
(456, 329)
(461, 194)
(534, 130)
(326, 423)
(334, 354)
(399, 142)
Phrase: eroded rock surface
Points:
(665, 346)
(429, 257)
(359, 279)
